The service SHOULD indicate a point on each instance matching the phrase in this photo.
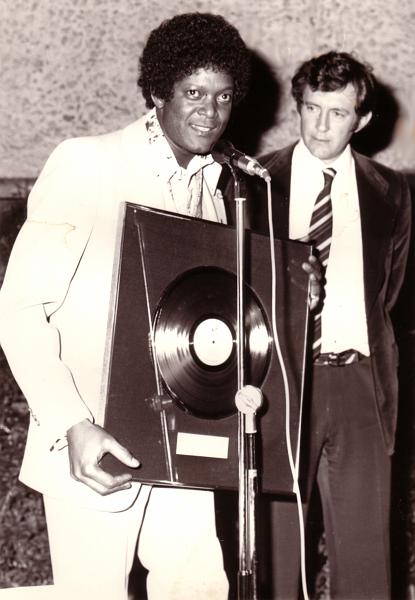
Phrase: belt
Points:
(341, 359)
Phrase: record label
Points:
(212, 342)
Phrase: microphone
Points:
(224, 152)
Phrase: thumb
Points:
(122, 454)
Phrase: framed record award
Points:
(171, 378)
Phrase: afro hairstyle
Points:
(188, 42)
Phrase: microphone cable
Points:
(294, 463)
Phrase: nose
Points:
(208, 107)
(323, 121)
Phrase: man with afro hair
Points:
(54, 308)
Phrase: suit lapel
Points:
(279, 165)
(377, 217)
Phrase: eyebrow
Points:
(339, 109)
(200, 86)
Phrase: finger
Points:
(313, 302)
(314, 272)
(103, 490)
(315, 286)
(103, 482)
(121, 453)
(309, 269)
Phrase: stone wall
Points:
(13, 196)
(68, 67)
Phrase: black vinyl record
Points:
(195, 343)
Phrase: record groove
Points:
(195, 341)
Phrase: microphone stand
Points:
(247, 574)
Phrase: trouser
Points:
(346, 455)
(92, 551)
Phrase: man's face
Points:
(328, 121)
(197, 114)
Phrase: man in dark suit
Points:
(361, 236)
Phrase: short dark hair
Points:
(187, 42)
(333, 71)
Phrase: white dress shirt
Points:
(343, 320)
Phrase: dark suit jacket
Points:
(385, 210)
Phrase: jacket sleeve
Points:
(42, 264)
(401, 243)
(404, 313)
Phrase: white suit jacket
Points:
(55, 298)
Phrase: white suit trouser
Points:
(92, 551)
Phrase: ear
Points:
(363, 121)
(158, 102)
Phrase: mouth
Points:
(202, 129)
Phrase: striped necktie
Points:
(320, 232)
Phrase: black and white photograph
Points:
(207, 300)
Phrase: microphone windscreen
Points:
(222, 151)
